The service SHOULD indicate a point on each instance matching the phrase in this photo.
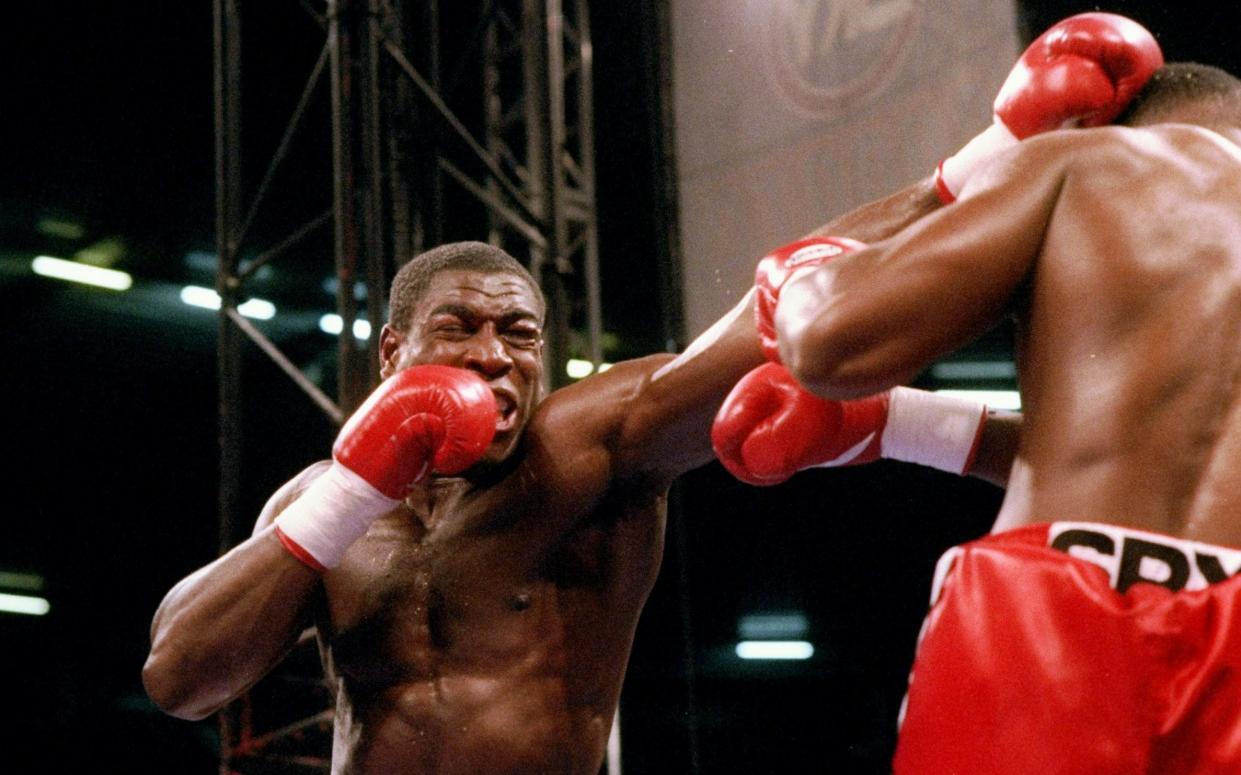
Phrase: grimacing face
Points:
(488, 323)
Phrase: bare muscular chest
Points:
(412, 602)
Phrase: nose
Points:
(487, 355)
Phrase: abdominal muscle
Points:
(508, 722)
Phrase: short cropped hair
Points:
(413, 279)
(1189, 92)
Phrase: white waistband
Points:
(1129, 555)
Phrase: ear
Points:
(390, 341)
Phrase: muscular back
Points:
(1118, 251)
(1130, 338)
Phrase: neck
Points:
(426, 495)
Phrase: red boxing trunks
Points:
(1078, 648)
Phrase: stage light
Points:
(332, 324)
(973, 370)
(995, 399)
(27, 582)
(780, 625)
(72, 271)
(27, 605)
(61, 229)
(259, 309)
(775, 649)
(198, 296)
(577, 368)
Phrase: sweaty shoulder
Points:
(598, 420)
(1095, 156)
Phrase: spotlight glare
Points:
(97, 276)
(259, 309)
(577, 368)
(775, 649)
(198, 296)
(996, 399)
(332, 324)
(24, 604)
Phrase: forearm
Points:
(882, 218)
(222, 628)
(670, 419)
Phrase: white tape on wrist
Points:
(334, 512)
(932, 429)
(958, 168)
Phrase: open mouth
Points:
(506, 412)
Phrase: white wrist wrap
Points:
(932, 429)
(333, 512)
(957, 169)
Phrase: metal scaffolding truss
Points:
(496, 144)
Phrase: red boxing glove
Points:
(1082, 71)
(769, 428)
(421, 420)
(777, 268)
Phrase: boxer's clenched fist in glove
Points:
(1082, 71)
(422, 420)
(769, 428)
(775, 269)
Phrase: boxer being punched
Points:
(474, 558)
(1096, 629)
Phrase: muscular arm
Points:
(666, 427)
(222, 628)
(885, 217)
(876, 317)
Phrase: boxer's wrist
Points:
(953, 172)
(933, 430)
(335, 511)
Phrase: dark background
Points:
(110, 461)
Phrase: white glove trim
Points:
(932, 429)
(334, 511)
(958, 168)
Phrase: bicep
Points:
(875, 318)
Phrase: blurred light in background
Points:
(60, 269)
(23, 604)
(28, 605)
(994, 399)
(960, 370)
(776, 635)
(56, 227)
(773, 626)
(775, 649)
(198, 296)
(331, 323)
(577, 368)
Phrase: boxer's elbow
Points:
(170, 684)
(834, 362)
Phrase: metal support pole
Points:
(544, 77)
(345, 49)
(228, 210)
(227, 87)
